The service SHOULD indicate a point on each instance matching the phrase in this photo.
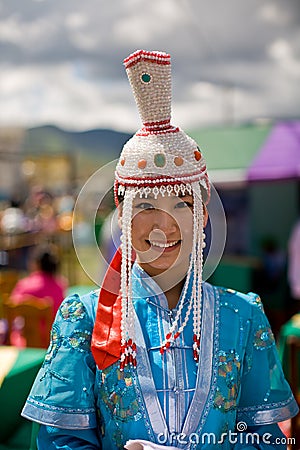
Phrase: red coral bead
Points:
(197, 155)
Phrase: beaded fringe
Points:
(128, 345)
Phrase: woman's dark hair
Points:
(120, 198)
(46, 257)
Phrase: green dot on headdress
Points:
(146, 77)
(159, 160)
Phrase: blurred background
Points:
(66, 110)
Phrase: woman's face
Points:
(162, 232)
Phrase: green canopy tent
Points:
(229, 151)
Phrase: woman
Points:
(43, 280)
(166, 359)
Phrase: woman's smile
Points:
(166, 246)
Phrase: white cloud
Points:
(16, 31)
(203, 90)
(58, 96)
(76, 20)
(81, 33)
(282, 53)
(144, 22)
(272, 13)
(28, 37)
(62, 61)
(280, 50)
(82, 40)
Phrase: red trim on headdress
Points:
(157, 123)
(145, 131)
(150, 181)
(143, 55)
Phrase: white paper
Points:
(137, 444)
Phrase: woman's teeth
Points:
(163, 245)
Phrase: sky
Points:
(233, 61)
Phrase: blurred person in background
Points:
(40, 211)
(43, 280)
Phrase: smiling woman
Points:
(159, 356)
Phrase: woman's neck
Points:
(173, 294)
(171, 282)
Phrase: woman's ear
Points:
(205, 216)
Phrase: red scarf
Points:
(106, 339)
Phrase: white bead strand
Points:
(128, 346)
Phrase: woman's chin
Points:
(161, 267)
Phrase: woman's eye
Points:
(183, 204)
(144, 206)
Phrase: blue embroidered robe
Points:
(232, 399)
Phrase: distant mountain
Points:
(98, 143)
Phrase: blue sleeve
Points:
(51, 438)
(63, 394)
(266, 396)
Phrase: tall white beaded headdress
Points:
(159, 159)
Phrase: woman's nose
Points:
(165, 222)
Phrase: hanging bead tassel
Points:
(128, 354)
(195, 268)
(196, 347)
(198, 246)
(128, 346)
(167, 343)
